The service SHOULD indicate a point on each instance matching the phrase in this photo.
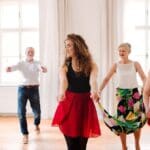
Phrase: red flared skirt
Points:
(76, 116)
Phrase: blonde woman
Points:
(130, 109)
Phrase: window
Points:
(19, 21)
(137, 30)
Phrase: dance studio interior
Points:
(43, 25)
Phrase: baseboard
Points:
(12, 115)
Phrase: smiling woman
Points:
(130, 109)
(78, 90)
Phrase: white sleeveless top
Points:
(126, 76)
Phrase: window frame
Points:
(146, 29)
(20, 30)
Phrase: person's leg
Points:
(137, 135)
(22, 101)
(34, 99)
(83, 143)
(72, 143)
(123, 141)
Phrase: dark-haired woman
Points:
(76, 114)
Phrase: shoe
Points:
(25, 139)
(37, 129)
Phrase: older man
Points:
(28, 90)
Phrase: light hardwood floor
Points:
(50, 138)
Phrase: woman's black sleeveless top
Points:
(77, 82)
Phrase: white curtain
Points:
(100, 23)
(101, 27)
(53, 29)
(63, 26)
(111, 36)
(49, 55)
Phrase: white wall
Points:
(8, 100)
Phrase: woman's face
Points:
(123, 52)
(69, 48)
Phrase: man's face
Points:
(29, 53)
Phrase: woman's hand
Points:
(148, 114)
(95, 96)
(8, 69)
(60, 97)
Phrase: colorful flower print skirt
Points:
(130, 112)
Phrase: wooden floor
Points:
(50, 138)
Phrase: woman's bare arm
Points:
(107, 77)
(140, 72)
(93, 82)
(63, 85)
(146, 93)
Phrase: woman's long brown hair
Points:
(84, 58)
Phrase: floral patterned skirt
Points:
(130, 112)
